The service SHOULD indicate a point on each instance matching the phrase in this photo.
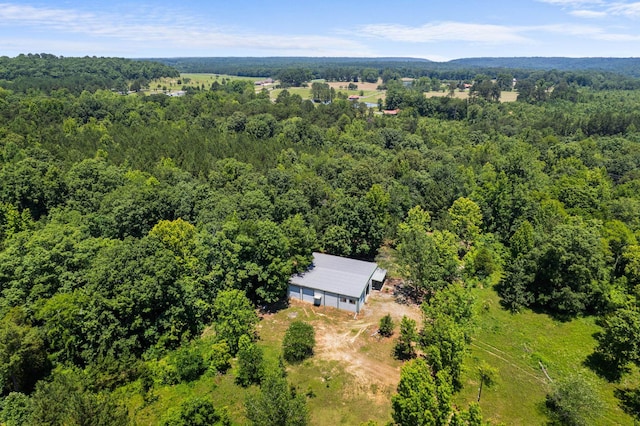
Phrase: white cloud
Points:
(571, 3)
(597, 8)
(618, 37)
(589, 14)
(569, 29)
(157, 32)
(444, 31)
(630, 10)
(489, 34)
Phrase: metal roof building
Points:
(336, 281)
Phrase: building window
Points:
(352, 301)
(343, 300)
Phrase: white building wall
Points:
(331, 300)
(294, 292)
(307, 294)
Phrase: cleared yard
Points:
(352, 373)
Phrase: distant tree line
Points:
(597, 73)
(48, 72)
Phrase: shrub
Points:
(573, 402)
(196, 411)
(250, 362)
(189, 364)
(219, 358)
(299, 341)
(386, 326)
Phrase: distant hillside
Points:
(625, 66)
(272, 66)
(342, 68)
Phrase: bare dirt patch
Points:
(353, 342)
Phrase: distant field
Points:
(504, 96)
(193, 80)
(370, 92)
(305, 93)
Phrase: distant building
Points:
(407, 81)
(338, 282)
(264, 82)
(391, 111)
(354, 97)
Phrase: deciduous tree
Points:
(277, 404)
(298, 342)
(422, 398)
(234, 317)
(250, 368)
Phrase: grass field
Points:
(369, 90)
(193, 80)
(352, 375)
(305, 93)
(516, 344)
(504, 96)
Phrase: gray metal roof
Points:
(335, 274)
(379, 275)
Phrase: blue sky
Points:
(437, 30)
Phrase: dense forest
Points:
(46, 73)
(142, 234)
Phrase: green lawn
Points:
(516, 344)
(193, 80)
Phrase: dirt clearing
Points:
(353, 341)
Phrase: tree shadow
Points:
(407, 295)
(604, 368)
(629, 401)
(275, 307)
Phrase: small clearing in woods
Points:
(353, 341)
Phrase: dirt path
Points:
(356, 345)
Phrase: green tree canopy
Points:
(234, 317)
(299, 341)
(422, 399)
(277, 404)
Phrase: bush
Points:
(196, 411)
(250, 362)
(386, 326)
(299, 341)
(219, 358)
(189, 364)
(277, 403)
(573, 402)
